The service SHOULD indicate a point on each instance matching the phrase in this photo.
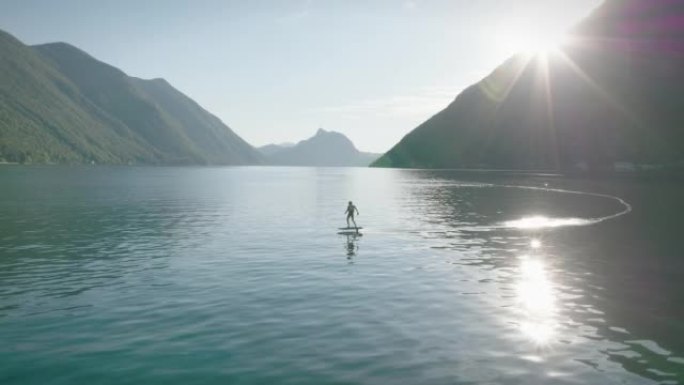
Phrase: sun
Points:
(532, 42)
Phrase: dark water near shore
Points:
(237, 276)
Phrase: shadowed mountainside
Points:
(610, 98)
(324, 149)
(60, 105)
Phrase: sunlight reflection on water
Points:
(142, 271)
(537, 299)
(542, 222)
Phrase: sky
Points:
(276, 71)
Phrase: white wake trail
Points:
(542, 222)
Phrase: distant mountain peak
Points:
(325, 148)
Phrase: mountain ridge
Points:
(58, 104)
(606, 99)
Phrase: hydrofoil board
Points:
(350, 232)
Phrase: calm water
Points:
(237, 276)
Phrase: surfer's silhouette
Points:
(351, 209)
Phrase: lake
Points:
(134, 275)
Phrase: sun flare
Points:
(532, 42)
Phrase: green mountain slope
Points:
(42, 114)
(612, 96)
(59, 105)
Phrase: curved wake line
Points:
(542, 222)
(627, 208)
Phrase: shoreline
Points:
(661, 174)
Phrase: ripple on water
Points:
(233, 275)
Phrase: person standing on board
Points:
(350, 214)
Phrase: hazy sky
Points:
(275, 71)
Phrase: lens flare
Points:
(532, 42)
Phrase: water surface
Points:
(237, 275)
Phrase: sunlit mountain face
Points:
(607, 98)
(58, 104)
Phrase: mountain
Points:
(324, 149)
(60, 105)
(611, 98)
(271, 149)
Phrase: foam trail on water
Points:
(542, 222)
